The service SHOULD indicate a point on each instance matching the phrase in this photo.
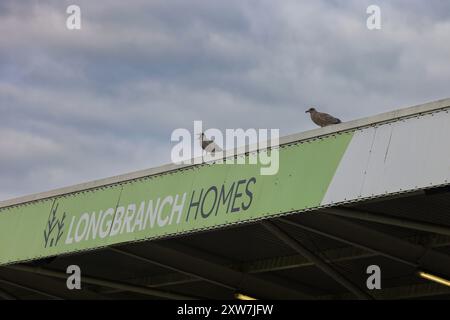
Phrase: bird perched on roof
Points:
(322, 119)
(208, 145)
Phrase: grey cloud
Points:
(104, 100)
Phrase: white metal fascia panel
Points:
(404, 155)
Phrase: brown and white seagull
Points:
(209, 145)
(322, 119)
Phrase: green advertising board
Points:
(200, 197)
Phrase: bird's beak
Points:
(306, 111)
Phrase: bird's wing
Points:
(327, 118)
(212, 147)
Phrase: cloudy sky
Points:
(104, 100)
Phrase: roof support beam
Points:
(253, 267)
(103, 282)
(217, 274)
(275, 264)
(384, 219)
(404, 292)
(40, 292)
(6, 295)
(176, 269)
(333, 255)
(373, 240)
(319, 262)
(157, 281)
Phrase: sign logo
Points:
(54, 228)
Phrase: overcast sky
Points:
(104, 100)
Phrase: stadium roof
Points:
(368, 192)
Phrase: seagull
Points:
(322, 119)
(208, 145)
